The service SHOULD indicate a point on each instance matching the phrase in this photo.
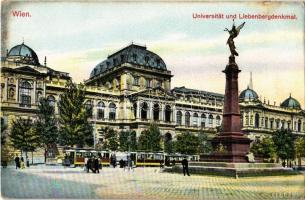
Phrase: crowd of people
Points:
(20, 164)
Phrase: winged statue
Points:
(233, 34)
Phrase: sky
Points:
(77, 36)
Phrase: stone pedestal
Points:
(230, 145)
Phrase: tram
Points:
(76, 157)
(172, 159)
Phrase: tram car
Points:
(149, 159)
(76, 157)
(173, 159)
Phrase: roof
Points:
(195, 92)
(134, 54)
(248, 95)
(24, 51)
(291, 103)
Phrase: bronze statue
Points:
(233, 34)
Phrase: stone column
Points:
(34, 93)
(138, 110)
(17, 90)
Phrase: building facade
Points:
(131, 89)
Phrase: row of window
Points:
(155, 112)
(187, 119)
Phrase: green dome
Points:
(291, 103)
(248, 95)
(24, 51)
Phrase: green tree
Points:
(264, 147)
(46, 125)
(150, 139)
(3, 132)
(300, 148)
(74, 127)
(168, 144)
(205, 145)
(284, 144)
(110, 139)
(128, 141)
(23, 136)
(187, 143)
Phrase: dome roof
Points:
(291, 103)
(24, 51)
(134, 54)
(248, 95)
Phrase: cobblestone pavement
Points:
(143, 183)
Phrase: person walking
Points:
(22, 163)
(89, 163)
(96, 165)
(17, 162)
(185, 166)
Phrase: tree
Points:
(205, 145)
(187, 143)
(111, 139)
(150, 139)
(3, 132)
(128, 141)
(264, 147)
(74, 127)
(284, 144)
(23, 136)
(46, 125)
(300, 148)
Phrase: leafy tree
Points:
(284, 144)
(111, 139)
(264, 147)
(187, 143)
(73, 117)
(150, 139)
(205, 145)
(300, 148)
(128, 141)
(3, 132)
(168, 145)
(46, 125)
(23, 136)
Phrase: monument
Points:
(234, 144)
(231, 146)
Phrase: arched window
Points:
(195, 119)
(100, 110)
(277, 123)
(211, 118)
(217, 120)
(112, 111)
(156, 109)
(25, 94)
(283, 124)
(51, 100)
(89, 107)
(187, 119)
(144, 109)
(135, 110)
(203, 119)
(256, 123)
(271, 123)
(168, 112)
(179, 118)
(299, 125)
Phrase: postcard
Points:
(152, 100)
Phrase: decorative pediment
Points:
(27, 69)
(156, 92)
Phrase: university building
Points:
(131, 89)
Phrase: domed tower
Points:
(248, 95)
(132, 68)
(22, 54)
(291, 103)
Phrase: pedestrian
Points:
(185, 166)
(22, 165)
(85, 165)
(121, 163)
(17, 162)
(27, 162)
(89, 165)
(96, 165)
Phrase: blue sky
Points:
(77, 36)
